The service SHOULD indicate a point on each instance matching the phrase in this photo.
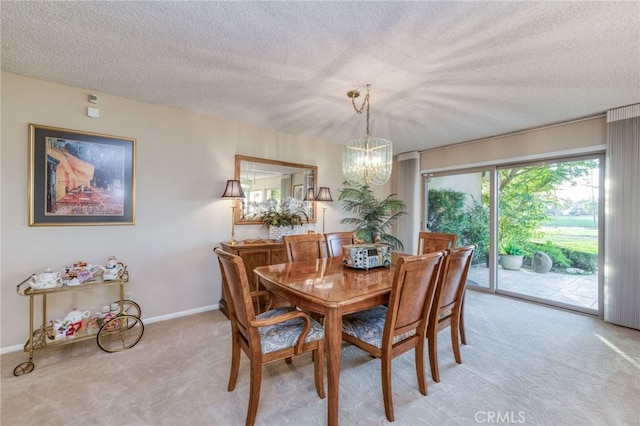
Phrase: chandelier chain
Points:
(361, 109)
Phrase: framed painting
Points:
(297, 192)
(80, 178)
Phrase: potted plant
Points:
(511, 256)
(374, 216)
(283, 218)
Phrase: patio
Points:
(572, 289)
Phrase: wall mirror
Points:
(267, 184)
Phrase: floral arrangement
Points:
(289, 212)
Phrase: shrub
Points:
(585, 261)
(557, 254)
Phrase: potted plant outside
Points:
(511, 256)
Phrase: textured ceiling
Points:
(441, 72)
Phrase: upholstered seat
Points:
(284, 335)
(368, 326)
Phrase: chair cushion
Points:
(368, 326)
(285, 334)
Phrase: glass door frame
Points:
(493, 240)
(493, 224)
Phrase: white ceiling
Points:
(441, 72)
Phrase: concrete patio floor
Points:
(577, 290)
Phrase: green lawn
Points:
(584, 221)
(578, 233)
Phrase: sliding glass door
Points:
(537, 226)
(548, 232)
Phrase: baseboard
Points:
(151, 320)
(181, 314)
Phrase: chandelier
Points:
(366, 161)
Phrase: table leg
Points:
(333, 341)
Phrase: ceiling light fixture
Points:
(366, 161)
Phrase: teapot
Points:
(113, 270)
(47, 279)
(74, 321)
(75, 316)
(112, 262)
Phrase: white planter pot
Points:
(510, 261)
(277, 232)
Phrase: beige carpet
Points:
(524, 364)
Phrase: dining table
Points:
(329, 288)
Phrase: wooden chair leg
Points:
(386, 387)
(288, 360)
(235, 365)
(254, 391)
(422, 383)
(433, 354)
(463, 337)
(455, 337)
(318, 364)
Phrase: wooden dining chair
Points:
(336, 240)
(389, 331)
(429, 242)
(304, 247)
(448, 307)
(273, 335)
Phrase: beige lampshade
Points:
(233, 190)
(324, 194)
(310, 195)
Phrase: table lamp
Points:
(233, 191)
(310, 195)
(324, 194)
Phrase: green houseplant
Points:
(374, 216)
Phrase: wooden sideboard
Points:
(254, 253)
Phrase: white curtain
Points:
(622, 218)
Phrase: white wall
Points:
(183, 162)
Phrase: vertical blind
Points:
(622, 218)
